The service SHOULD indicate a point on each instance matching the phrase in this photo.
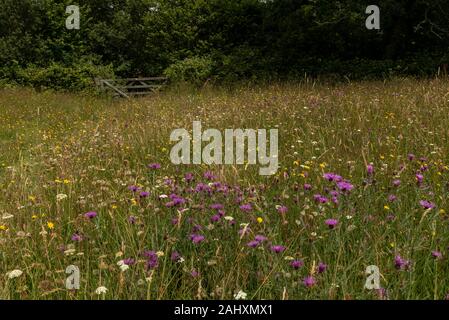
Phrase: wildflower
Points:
(260, 238)
(14, 274)
(277, 248)
(331, 223)
(90, 214)
(123, 266)
(240, 295)
(246, 207)
(217, 206)
(321, 267)
(296, 264)
(282, 209)
(426, 204)
(332, 177)
(344, 186)
(253, 244)
(392, 198)
(144, 194)
(437, 255)
(50, 225)
(129, 261)
(175, 256)
(197, 238)
(152, 261)
(133, 188)
(154, 166)
(101, 290)
(194, 273)
(209, 175)
(76, 237)
(400, 263)
(61, 196)
(396, 182)
(259, 220)
(320, 199)
(411, 156)
(309, 281)
(419, 178)
(307, 186)
(188, 177)
(370, 169)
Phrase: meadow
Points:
(363, 180)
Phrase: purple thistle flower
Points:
(90, 214)
(76, 237)
(133, 188)
(175, 256)
(209, 175)
(129, 261)
(321, 267)
(296, 264)
(282, 209)
(426, 204)
(419, 178)
(307, 186)
(246, 207)
(188, 177)
(320, 199)
(309, 281)
(144, 194)
(197, 238)
(370, 169)
(344, 186)
(154, 166)
(331, 223)
(277, 248)
(400, 263)
(392, 198)
(253, 244)
(152, 261)
(437, 255)
(332, 177)
(215, 218)
(396, 182)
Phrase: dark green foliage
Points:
(196, 40)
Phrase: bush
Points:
(195, 70)
(56, 76)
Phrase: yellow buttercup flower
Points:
(386, 207)
(50, 225)
(259, 219)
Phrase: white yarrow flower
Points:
(14, 274)
(101, 290)
(240, 295)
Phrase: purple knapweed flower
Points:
(321, 267)
(282, 209)
(370, 169)
(175, 256)
(133, 188)
(188, 177)
(344, 186)
(392, 198)
(320, 199)
(90, 214)
(77, 237)
(411, 156)
(154, 166)
(332, 177)
(419, 178)
(296, 264)
(197, 238)
(277, 248)
(144, 194)
(307, 187)
(129, 261)
(400, 263)
(152, 261)
(309, 281)
(246, 207)
(253, 244)
(437, 255)
(331, 223)
(427, 204)
(396, 182)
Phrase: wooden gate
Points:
(132, 86)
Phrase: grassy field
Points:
(224, 229)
